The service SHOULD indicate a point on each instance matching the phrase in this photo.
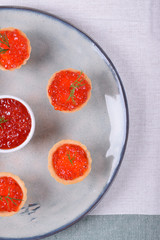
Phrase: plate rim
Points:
(126, 108)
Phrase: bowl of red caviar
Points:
(17, 123)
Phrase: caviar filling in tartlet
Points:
(13, 194)
(15, 48)
(69, 161)
(15, 123)
(69, 90)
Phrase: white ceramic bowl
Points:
(32, 125)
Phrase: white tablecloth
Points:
(129, 32)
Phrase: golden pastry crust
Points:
(89, 93)
(50, 165)
(28, 43)
(24, 190)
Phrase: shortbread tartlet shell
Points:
(29, 48)
(24, 190)
(51, 168)
(89, 93)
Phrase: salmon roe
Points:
(10, 189)
(61, 92)
(16, 125)
(18, 50)
(70, 161)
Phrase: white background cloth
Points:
(129, 32)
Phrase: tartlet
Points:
(69, 162)
(69, 90)
(15, 48)
(13, 194)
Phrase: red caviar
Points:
(15, 130)
(9, 187)
(61, 86)
(18, 49)
(70, 161)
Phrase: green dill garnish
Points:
(76, 84)
(4, 40)
(69, 157)
(2, 120)
(10, 198)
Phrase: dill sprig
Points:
(4, 40)
(76, 84)
(2, 120)
(10, 198)
(69, 157)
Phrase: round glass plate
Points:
(102, 125)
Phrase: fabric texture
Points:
(121, 227)
(129, 32)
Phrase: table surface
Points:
(129, 32)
